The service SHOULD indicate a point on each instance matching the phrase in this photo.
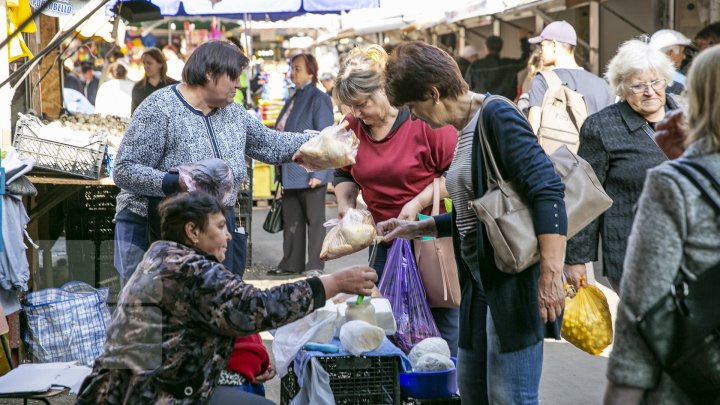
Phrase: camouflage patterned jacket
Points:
(173, 329)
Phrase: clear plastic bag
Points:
(354, 232)
(333, 147)
(587, 323)
(401, 285)
(212, 176)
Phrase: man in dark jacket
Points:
(495, 74)
(90, 81)
(468, 55)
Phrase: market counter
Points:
(58, 189)
(81, 210)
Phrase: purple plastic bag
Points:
(401, 285)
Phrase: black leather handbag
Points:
(682, 329)
(274, 222)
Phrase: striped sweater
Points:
(166, 131)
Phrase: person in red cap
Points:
(557, 44)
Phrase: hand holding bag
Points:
(507, 216)
(435, 259)
(274, 222)
(681, 329)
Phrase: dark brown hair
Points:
(215, 59)
(181, 208)
(158, 57)
(310, 64)
(414, 68)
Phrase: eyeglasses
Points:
(657, 85)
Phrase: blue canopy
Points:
(259, 9)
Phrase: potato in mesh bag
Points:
(354, 232)
(333, 147)
(587, 323)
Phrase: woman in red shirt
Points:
(397, 159)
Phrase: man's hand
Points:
(574, 274)
(314, 182)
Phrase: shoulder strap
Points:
(694, 172)
(488, 157)
(552, 78)
(436, 197)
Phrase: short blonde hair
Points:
(361, 75)
(703, 92)
(633, 57)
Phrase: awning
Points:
(272, 10)
(487, 7)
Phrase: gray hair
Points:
(633, 57)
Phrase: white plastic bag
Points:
(332, 148)
(353, 233)
(289, 339)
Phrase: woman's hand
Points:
(268, 375)
(670, 134)
(410, 211)
(397, 228)
(314, 182)
(551, 295)
(574, 274)
(350, 280)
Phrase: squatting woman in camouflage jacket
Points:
(176, 319)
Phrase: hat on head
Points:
(468, 51)
(664, 38)
(560, 31)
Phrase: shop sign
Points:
(60, 8)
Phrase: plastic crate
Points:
(85, 161)
(363, 380)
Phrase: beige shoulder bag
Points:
(507, 217)
(435, 260)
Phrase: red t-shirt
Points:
(393, 171)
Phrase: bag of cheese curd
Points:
(354, 232)
(332, 148)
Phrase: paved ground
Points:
(570, 376)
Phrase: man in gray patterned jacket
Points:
(184, 123)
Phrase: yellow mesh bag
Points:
(587, 323)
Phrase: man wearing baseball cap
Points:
(672, 43)
(557, 45)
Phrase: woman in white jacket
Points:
(114, 97)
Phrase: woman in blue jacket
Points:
(503, 317)
(303, 193)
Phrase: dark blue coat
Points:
(512, 298)
(312, 110)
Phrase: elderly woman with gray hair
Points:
(675, 227)
(618, 143)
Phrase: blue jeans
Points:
(447, 320)
(487, 376)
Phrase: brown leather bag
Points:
(507, 217)
(435, 260)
